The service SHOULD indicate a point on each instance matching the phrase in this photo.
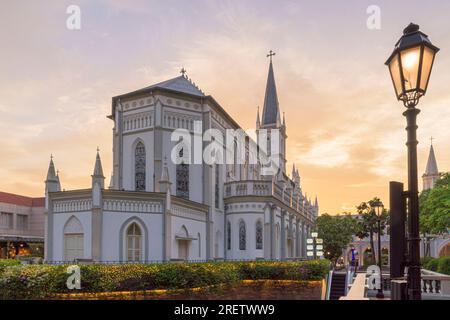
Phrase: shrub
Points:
(7, 263)
(425, 260)
(43, 281)
(444, 265)
(432, 265)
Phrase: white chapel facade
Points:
(156, 210)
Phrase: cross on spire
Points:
(271, 54)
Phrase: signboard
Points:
(310, 247)
(309, 240)
(319, 241)
(309, 253)
(319, 247)
(314, 234)
(319, 253)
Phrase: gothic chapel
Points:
(155, 210)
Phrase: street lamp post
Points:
(410, 67)
(378, 206)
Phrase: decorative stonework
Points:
(138, 103)
(132, 206)
(138, 121)
(72, 205)
(175, 120)
(188, 213)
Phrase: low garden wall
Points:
(219, 280)
(241, 290)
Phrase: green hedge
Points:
(42, 281)
(441, 265)
(7, 263)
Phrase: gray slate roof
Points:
(271, 108)
(180, 84)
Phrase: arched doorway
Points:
(73, 240)
(445, 250)
(183, 243)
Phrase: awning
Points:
(16, 238)
(184, 238)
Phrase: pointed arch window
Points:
(139, 165)
(259, 235)
(134, 242)
(182, 178)
(242, 235)
(217, 187)
(228, 235)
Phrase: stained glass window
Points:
(139, 163)
(242, 235)
(228, 235)
(182, 179)
(259, 235)
(217, 188)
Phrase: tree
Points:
(434, 207)
(337, 233)
(368, 222)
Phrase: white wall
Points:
(111, 238)
(193, 227)
(59, 221)
(250, 251)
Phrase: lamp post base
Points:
(380, 294)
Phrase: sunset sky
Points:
(345, 127)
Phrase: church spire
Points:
(258, 121)
(97, 176)
(431, 164)
(431, 174)
(51, 173)
(52, 183)
(98, 169)
(271, 110)
(164, 182)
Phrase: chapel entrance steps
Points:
(338, 285)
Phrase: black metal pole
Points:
(380, 294)
(414, 282)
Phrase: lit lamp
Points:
(378, 207)
(410, 67)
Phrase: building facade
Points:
(21, 225)
(155, 209)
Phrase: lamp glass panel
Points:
(394, 67)
(410, 66)
(427, 63)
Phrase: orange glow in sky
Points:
(345, 128)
